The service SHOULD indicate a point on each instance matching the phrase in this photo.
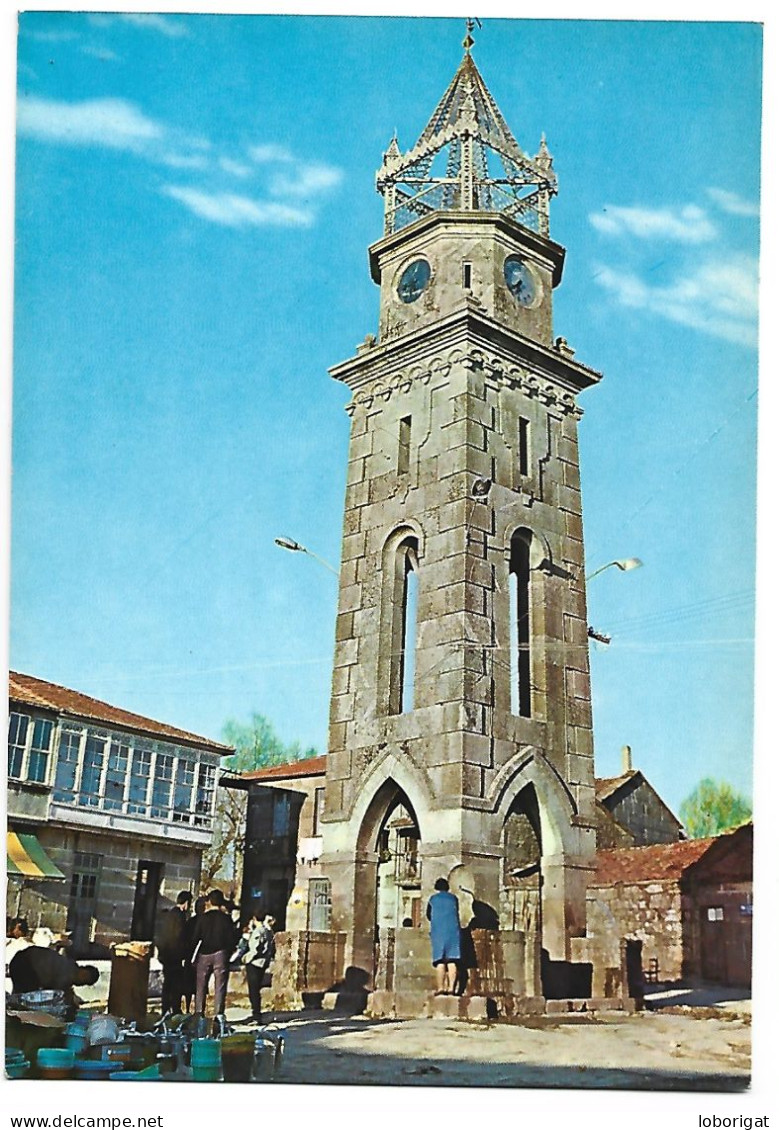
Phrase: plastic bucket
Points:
(205, 1053)
(205, 1057)
(55, 1063)
(238, 1057)
(76, 1038)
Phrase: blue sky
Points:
(194, 203)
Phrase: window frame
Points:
(19, 747)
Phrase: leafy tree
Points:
(713, 807)
(258, 745)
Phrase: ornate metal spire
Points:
(466, 160)
(468, 41)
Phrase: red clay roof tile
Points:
(28, 690)
(307, 767)
(656, 861)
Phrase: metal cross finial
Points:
(469, 26)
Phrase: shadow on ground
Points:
(314, 1056)
(701, 996)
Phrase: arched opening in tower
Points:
(522, 852)
(398, 873)
(519, 611)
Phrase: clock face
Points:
(520, 280)
(414, 280)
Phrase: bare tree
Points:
(223, 859)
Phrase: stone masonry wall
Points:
(651, 912)
(47, 903)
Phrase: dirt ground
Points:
(686, 1042)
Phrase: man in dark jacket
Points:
(215, 939)
(171, 951)
(40, 967)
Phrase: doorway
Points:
(147, 889)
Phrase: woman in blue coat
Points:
(443, 912)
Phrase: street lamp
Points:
(295, 547)
(624, 565)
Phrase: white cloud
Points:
(170, 27)
(103, 53)
(686, 224)
(235, 168)
(238, 211)
(120, 125)
(718, 297)
(63, 36)
(305, 180)
(111, 122)
(732, 203)
(266, 154)
(184, 160)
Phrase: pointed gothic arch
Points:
(556, 804)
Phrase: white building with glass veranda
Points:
(109, 813)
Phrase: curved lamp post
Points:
(625, 564)
(295, 547)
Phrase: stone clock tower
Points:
(460, 732)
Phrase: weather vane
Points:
(469, 26)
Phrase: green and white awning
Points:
(28, 860)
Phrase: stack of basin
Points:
(16, 1063)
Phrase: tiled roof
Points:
(307, 767)
(30, 691)
(656, 861)
(605, 786)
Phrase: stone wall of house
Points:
(651, 912)
(641, 811)
(608, 832)
(47, 903)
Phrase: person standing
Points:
(260, 951)
(188, 974)
(214, 939)
(444, 916)
(171, 950)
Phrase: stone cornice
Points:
(542, 246)
(470, 338)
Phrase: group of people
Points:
(194, 949)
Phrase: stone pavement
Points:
(685, 1050)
